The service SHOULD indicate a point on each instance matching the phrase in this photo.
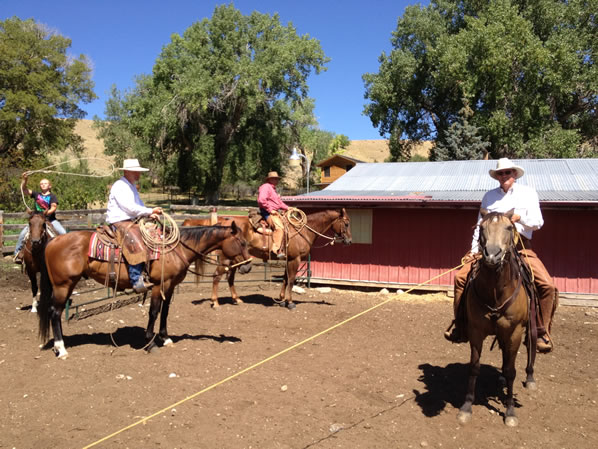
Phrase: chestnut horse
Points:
(66, 261)
(33, 251)
(298, 244)
(497, 304)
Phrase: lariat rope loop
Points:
(46, 170)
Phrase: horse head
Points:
(496, 236)
(341, 227)
(37, 228)
(236, 249)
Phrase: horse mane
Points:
(196, 233)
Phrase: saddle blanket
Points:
(102, 251)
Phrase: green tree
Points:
(225, 81)
(41, 88)
(527, 68)
(461, 141)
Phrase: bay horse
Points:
(66, 261)
(497, 304)
(298, 245)
(33, 251)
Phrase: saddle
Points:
(258, 223)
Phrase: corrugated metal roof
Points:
(555, 180)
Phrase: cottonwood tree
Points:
(41, 89)
(219, 96)
(527, 69)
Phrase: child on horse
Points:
(45, 202)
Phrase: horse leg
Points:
(34, 288)
(155, 306)
(291, 274)
(464, 415)
(166, 340)
(231, 285)
(59, 299)
(215, 283)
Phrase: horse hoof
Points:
(168, 342)
(238, 301)
(215, 305)
(34, 310)
(463, 417)
(291, 305)
(511, 421)
(532, 386)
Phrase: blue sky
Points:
(124, 38)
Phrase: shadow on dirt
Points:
(132, 336)
(448, 385)
(260, 300)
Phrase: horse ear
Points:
(483, 212)
(510, 213)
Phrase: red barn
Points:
(412, 222)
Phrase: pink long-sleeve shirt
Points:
(269, 199)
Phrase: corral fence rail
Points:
(89, 219)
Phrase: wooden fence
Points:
(89, 219)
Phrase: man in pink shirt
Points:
(270, 204)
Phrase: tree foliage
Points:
(41, 88)
(526, 68)
(461, 141)
(219, 102)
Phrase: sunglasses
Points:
(504, 172)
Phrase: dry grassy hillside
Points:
(94, 148)
(378, 151)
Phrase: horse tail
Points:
(45, 300)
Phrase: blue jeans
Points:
(135, 272)
(56, 224)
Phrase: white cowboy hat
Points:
(132, 165)
(272, 174)
(506, 164)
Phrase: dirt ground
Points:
(245, 376)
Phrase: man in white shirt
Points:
(527, 218)
(125, 205)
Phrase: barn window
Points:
(361, 225)
(327, 172)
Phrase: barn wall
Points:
(412, 245)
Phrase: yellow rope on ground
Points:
(249, 368)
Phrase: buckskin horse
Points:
(66, 261)
(33, 251)
(298, 242)
(497, 304)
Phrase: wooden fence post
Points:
(1, 230)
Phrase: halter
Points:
(332, 240)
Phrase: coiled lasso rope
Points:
(170, 233)
(296, 218)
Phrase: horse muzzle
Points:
(245, 268)
(493, 255)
